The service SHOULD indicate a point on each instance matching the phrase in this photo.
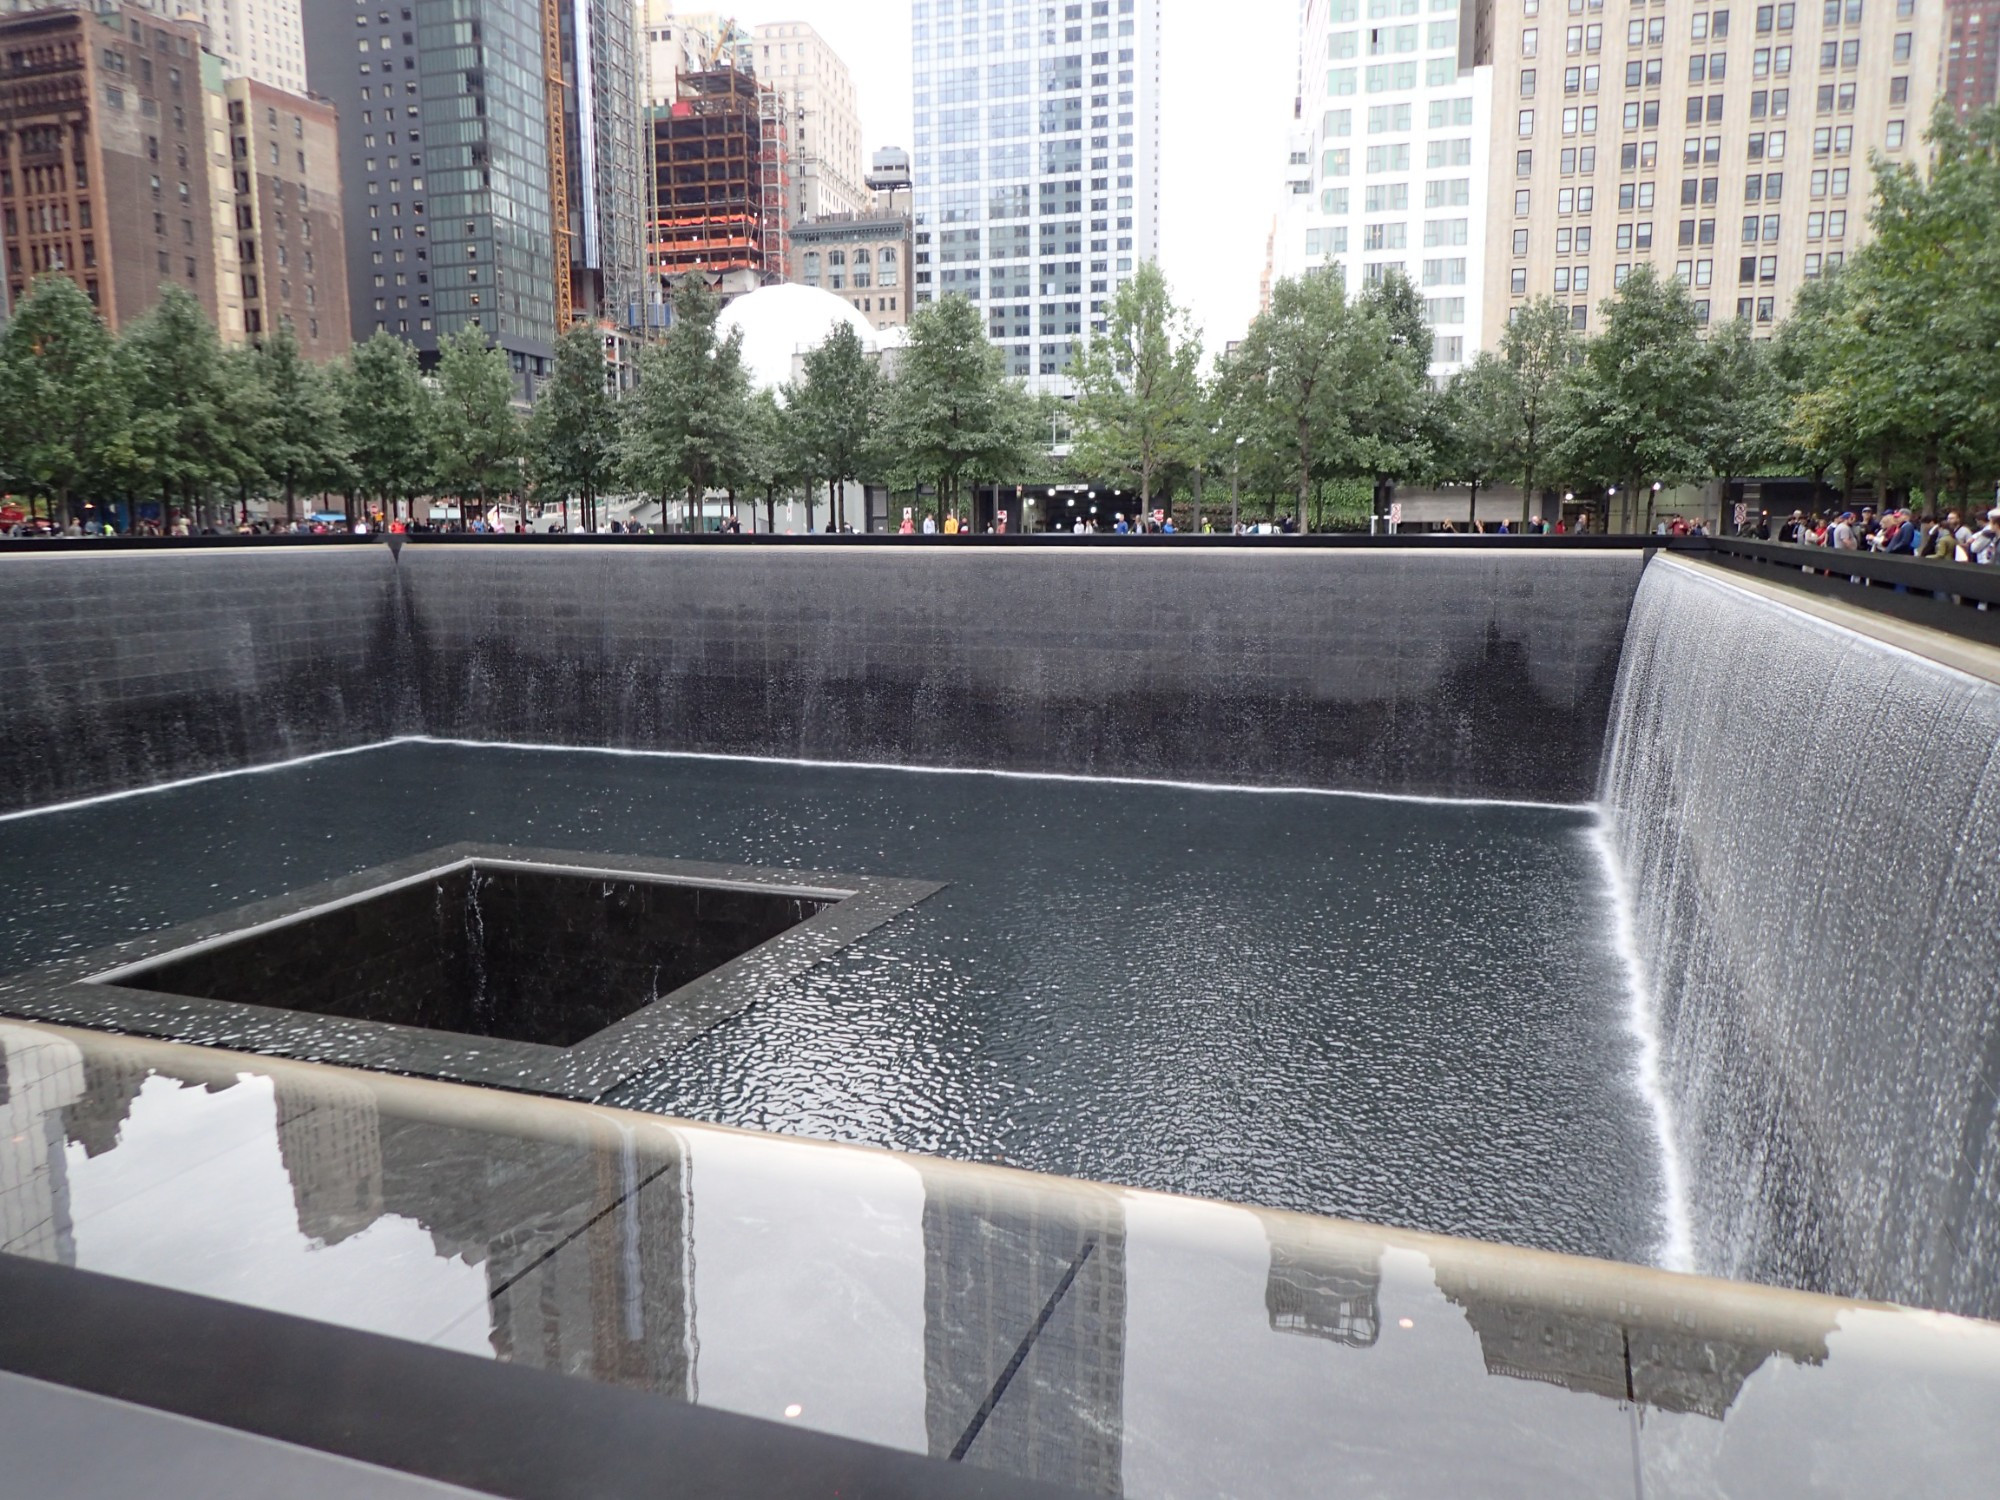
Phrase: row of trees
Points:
(167, 415)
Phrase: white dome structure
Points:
(782, 323)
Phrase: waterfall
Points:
(1805, 816)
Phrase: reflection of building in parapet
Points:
(331, 1144)
(1686, 1355)
(110, 1083)
(1323, 1294)
(583, 1241)
(1024, 1328)
(40, 1075)
(607, 1297)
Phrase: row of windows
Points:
(1382, 78)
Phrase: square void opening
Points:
(487, 949)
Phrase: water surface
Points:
(1397, 1011)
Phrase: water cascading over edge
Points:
(1808, 820)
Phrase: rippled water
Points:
(1402, 1012)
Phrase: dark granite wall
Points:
(1473, 674)
(1455, 673)
(123, 669)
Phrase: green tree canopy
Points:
(386, 410)
(950, 415)
(574, 435)
(299, 438)
(1539, 349)
(63, 405)
(686, 426)
(831, 413)
(186, 432)
(1638, 406)
(1475, 428)
(1138, 383)
(476, 437)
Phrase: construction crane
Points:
(553, 90)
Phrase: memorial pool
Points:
(1394, 1010)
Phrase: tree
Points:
(1138, 385)
(1923, 298)
(574, 434)
(1826, 419)
(830, 413)
(476, 436)
(950, 414)
(1387, 385)
(1746, 404)
(386, 411)
(62, 408)
(1637, 406)
(1539, 347)
(299, 438)
(1287, 374)
(184, 429)
(1476, 427)
(688, 422)
(772, 458)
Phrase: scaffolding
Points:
(720, 157)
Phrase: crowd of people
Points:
(1898, 533)
(1895, 532)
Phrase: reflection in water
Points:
(1107, 1342)
(1679, 1356)
(1024, 1328)
(41, 1076)
(1337, 1298)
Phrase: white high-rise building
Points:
(260, 39)
(1389, 158)
(1036, 164)
(820, 103)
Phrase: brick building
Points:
(283, 189)
(103, 175)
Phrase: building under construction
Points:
(721, 168)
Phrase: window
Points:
(1520, 203)
(1518, 281)
(1520, 242)
(1524, 163)
(1524, 125)
(1900, 50)
(1894, 139)
(1899, 90)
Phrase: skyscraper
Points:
(1728, 145)
(603, 128)
(817, 93)
(1971, 55)
(104, 175)
(1388, 157)
(1036, 163)
(449, 111)
(258, 39)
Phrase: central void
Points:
(1404, 1012)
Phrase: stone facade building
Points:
(103, 173)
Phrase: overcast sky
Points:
(1227, 81)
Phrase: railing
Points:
(1958, 597)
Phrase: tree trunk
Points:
(1472, 510)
